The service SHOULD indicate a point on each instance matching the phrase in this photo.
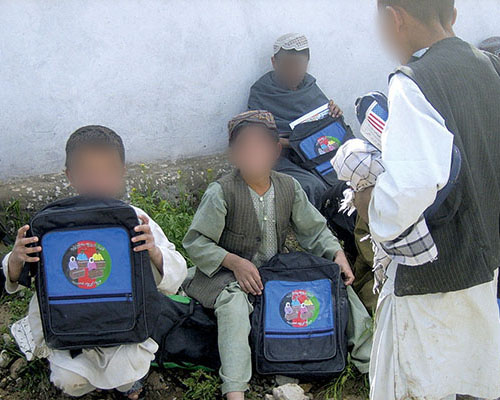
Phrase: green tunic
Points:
(208, 224)
(232, 306)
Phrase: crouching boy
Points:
(95, 166)
(242, 222)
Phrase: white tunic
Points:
(437, 345)
(110, 367)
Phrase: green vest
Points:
(242, 233)
(463, 85)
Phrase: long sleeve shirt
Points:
(416, 153)
(202, 238)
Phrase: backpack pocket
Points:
(299, 321)
(315, 143)
(88, 275)
(324, 141)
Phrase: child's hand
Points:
(149, 242)
(345, 268)
(21, 253)
(334, 109)
(246, 274)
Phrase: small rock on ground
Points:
(16, 367)
(5, 359)
(7, 339)
(283, 380)
(290, 391)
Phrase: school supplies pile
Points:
(299, 323)
(92, 289)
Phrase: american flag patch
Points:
(377, 117)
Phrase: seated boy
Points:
(95, 165)
(242, 222)
(289, 92)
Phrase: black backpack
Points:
(299, 323)
(92, 289)
(187, 334)
(315, 143)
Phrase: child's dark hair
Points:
(425, 10)
(94, 136)
(272, 132)
(304, 52)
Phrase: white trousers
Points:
(432, 347)
(75, 385)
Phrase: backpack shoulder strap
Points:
(495, 60)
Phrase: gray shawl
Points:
(286, 105)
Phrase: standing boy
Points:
(437, 326)
(95, 165)
(242, 222)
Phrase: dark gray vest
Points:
(242, 233)
(462, 84)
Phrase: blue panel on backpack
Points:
(324, 141)
(87, 262)
(325, 168)
(295, 308)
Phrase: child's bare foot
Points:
(134, 393)
(235, 396)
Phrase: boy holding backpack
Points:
(242, 222)
(289, 92)
(95, 166)
(437, 330)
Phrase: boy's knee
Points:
(70, 383)
(233, 303)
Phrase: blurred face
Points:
(404, 34)
(97, 171)
(254, 152)
(290, 68)
(392, 32)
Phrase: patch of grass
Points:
(201, 385)
(12, 217)
(34, 375)
(351, 380)
(174, 219)
(18, 303)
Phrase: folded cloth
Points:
(359, 164)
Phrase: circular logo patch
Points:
(86, 264)
(299, 308)
(326, 144)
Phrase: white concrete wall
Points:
(167, 74)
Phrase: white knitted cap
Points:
(291, 41)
